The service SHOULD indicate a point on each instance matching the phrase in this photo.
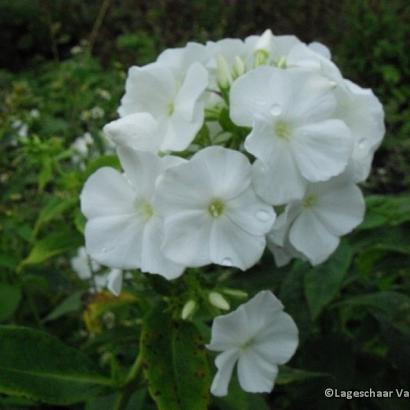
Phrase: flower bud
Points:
(188, 309)
(265, 41)
(235, 293)
(238, 68)
(217, 300)
(223, 74)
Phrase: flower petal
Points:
(232, 246)
(254, 373)
(309, 236)
(322, 150)
(250, 213)
(114, 281)
(153, 260)
(186, 235)
(225, 363)
(268, 179)
(107, 193)
(138, 131)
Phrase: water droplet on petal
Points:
(362, 143)
(227, 262)
(276, 110)
(263, 215)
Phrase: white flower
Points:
(211, 213)
(82, 264)
(258, 336)
(114, 281)
(123, 229)
(295, 135)
(313, 225)
(361, 110)
(177, 108)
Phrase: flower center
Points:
(216, 208)
(146, 209)
(170, 108)
(309, 201)
(282, 130)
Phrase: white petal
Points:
(191, 90)
(180, 132)
(148, 89)
(250, 213)
(107, 192)
(225, 363)
(114, 281)
(115, 241)
(254, 373)
(141, 168)
(256, 92)
(268, 179)
(340, 206)
(186, 238)
(320, 49)
(138, 131)
(153, 260)
(322, 150)
(228, 171)
(309, 236)
(278, 340)
(232, 246)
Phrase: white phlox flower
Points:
(211, 213)
(295, 135)
(313, 225)
(258, 336)
(157, 106)
(83, 265)
(123, 229)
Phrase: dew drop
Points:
(276, 110)
(227, 262)
(263, 216)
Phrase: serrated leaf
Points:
(175, 363)
(10, 297)
(323, 282)
(39, 367)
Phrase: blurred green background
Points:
(63, 65)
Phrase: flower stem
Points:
(129, 386)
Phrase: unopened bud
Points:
(238, 68)
(188, 309)
(236, 293)
(223, 74)
(282, 63)
(217, 300)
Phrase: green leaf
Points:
(237, 399)
(54, 208)
(103, 161)
(10, 297)
(386, 210)
(287, 375)
(8, 261)
(71, 304)
(39, 367)
(175, 362)
(323, 282)
(52, 245)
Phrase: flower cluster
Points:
(262, 127)
(227, 149)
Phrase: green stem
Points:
(129, 386)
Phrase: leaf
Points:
(54, 208)
(288, 375)
(8, 261)
(137, 402)
(102, 161)
(52, 245)
(71, 304)
(175, 362)
(10, 297)
(39, 367)
(323, 282)
(237, 399)
(386, 210)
